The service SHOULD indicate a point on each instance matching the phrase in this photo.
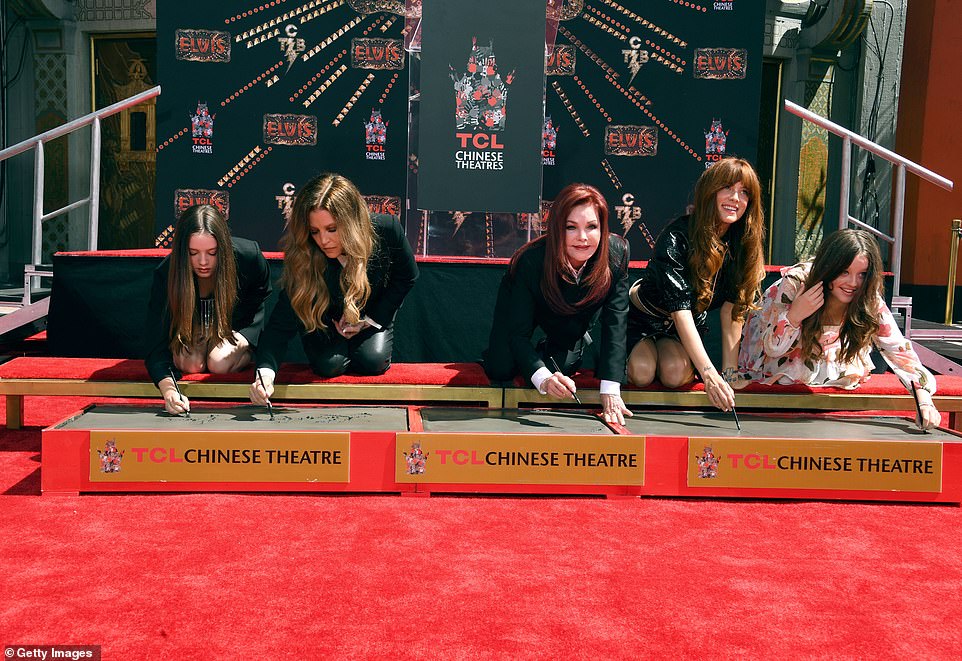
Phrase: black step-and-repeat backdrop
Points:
(639, 98)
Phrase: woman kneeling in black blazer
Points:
(561, 282)
(206, 308)
(345, 276)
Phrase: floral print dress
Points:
(770, 354)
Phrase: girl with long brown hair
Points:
(818, 324)
(346, 273)
(206, 308)
(707, 259)
(561, 282)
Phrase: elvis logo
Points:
(294, 130)
(715, 140)
(386, 204)
(202, 130)
(375, 136)
(380, 54)
(202, 45)
(707, 464)
(110, 457)
(365, 7)
(416, 459)
(561, 61)
(549, 141)
(185, 198)
(627, 140)
(721, 63)
(291, 45)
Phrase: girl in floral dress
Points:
(817, 325)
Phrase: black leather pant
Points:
(368, 353)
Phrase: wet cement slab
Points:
(468, 420)
(246, 418)
(718, 424)
(511, 421)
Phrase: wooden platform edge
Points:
(848, 401)
(489, 396)
(16, 389)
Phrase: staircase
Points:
(30, 310)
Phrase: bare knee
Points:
(190, 364)
(674, 371)
(641, 374)
(674, 365)
(642, 363)
(675, 376)
(225, 358)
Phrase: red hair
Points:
(598, 278)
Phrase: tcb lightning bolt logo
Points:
(635, 58)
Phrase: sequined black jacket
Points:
(666, 283)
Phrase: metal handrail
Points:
(93, 199)
(901, 165)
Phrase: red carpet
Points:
(359, 577)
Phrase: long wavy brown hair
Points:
(860, 324)
(598, 278)
(182, 284)
(304, 261)
(745, 236)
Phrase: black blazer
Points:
(253, 289)
(527, 309)
(391, 271)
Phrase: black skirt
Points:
(646, 320)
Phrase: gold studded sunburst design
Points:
(623, 71)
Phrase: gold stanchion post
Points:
(953, 264)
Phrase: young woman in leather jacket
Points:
(707, 259)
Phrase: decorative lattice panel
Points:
(115, 10)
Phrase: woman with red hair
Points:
(562, 282)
